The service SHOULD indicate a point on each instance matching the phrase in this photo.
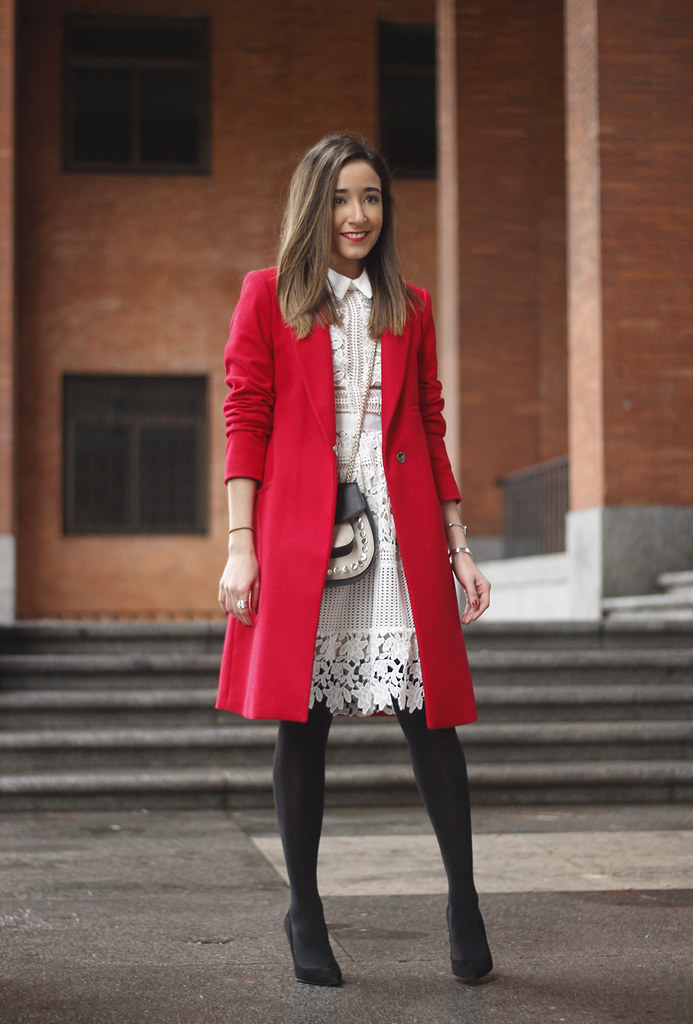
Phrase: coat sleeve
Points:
(431, 406)
(249, 363)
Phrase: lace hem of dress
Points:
(361, 674)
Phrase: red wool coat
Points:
(280, 428)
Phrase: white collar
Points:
(340, 283)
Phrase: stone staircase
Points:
(115, 715)
(673, 602)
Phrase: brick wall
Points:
(631, 260)
(646, 99)
(139, 274)
(512, 244)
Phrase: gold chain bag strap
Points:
(353, 540)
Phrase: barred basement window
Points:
(134, 455)
(136, 94)
(408, 98)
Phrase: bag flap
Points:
(350, 501)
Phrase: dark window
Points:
(136, 94)
(408, 98)
(135, 454)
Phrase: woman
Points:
(297, 650)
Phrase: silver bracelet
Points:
(457, 551)
(458, 524)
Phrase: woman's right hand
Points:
(240, 580)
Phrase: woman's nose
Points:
(358, 213)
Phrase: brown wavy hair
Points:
(304, 248)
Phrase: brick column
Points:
(585, 365)
(448, 313)
(629, 79)
(7, 546)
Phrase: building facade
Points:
(145, 148)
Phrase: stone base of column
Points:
(614, 552)
(7, 578)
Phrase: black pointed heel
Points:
(328, 976)
(472, 970)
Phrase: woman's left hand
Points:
(475, 585)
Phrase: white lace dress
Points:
(366, 651)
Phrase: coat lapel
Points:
(394, 354)
(314, 355)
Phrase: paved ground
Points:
(127, 918)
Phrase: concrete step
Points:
(84, 708)
(348, 785)
(674, 604)
(133, 669)
(35, 710)
(593, 701)
(674, 581)
(83, 637)
(121, 714)
(490, 665)
(206, 637)
(603, 635)
(376, 743)
(578, 667)
(677, 604)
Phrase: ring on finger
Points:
(241, 604)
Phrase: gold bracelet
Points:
(234, 528)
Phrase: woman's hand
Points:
(240, 580)
(475, 585)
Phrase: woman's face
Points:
(357, 217)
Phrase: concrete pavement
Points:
(167, 917)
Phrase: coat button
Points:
(401, 457)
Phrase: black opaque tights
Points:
(299, 788)
(440, 771)
(299, 796)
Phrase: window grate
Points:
(136, 94)
(408, 136)
(135, 454)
